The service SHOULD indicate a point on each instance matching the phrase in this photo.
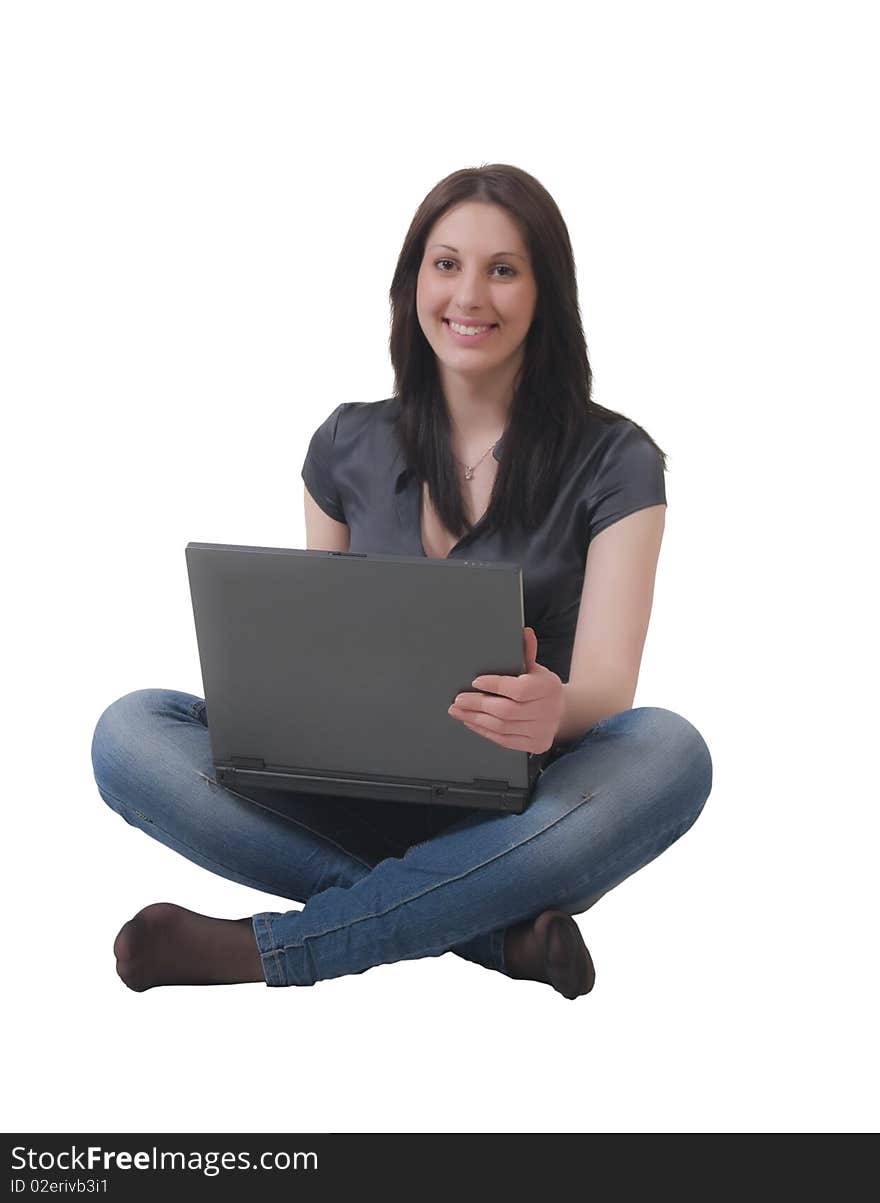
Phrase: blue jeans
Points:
(391, 881)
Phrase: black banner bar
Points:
(200, 1166)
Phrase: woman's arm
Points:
(615, 609)
(323, 533)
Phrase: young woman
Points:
(491, 447)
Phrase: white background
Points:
(184, 184)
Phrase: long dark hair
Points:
(552, 397)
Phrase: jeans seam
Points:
(296, 822)
(255, 884)
(271, 957)
(447, 881)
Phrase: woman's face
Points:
(476, 273)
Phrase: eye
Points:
(506, 267)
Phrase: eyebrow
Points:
(497, 255)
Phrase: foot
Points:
(550, 949)
(167, 945)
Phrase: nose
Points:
(471, 293)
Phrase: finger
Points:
(519, 743)
(522, 688)
(530, 647)
(504, 708)
(498, 726)
(526, 688)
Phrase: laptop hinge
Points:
(247, 762)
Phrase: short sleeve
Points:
(317, 469)
(629, 478)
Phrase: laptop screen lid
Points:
(323, 669)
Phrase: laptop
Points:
(331, 672)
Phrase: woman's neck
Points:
(478, 410)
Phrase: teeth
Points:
(469, 329)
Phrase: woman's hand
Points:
(521, 712)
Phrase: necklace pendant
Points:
(468, 473)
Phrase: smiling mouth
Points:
(482, 326)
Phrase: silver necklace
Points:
(469, 472)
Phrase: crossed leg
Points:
(496, 888)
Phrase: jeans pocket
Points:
(199, 711)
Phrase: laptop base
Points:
(482, 794)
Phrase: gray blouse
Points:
(355, 470)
